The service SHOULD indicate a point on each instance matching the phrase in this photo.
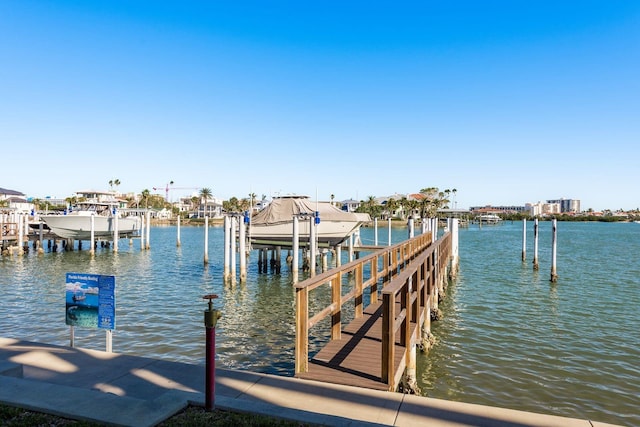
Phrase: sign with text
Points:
(90, 300)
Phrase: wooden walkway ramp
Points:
(377, 347)
(352, 359)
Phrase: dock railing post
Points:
(388, 338)
(302, 330)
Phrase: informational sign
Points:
(90, 300)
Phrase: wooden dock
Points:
(393, 290)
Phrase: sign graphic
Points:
(90, 300)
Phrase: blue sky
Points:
(508, 102)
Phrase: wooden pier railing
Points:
(406, 275)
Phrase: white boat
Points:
(274, 224)
(103, 208)
(489, 218)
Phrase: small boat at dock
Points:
(489, 219)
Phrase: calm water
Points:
(508, 338)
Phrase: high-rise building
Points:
(567, 205)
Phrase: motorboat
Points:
(273, 225)
(489, 218)
(76, 222)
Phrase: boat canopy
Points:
(282, 209)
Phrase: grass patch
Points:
(193, 416)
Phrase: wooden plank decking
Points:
(374, 349)
(355, 359)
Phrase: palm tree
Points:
(392, 205)
(113, 182)
(403, 205)
(195, 204)
(145, 195)
(205, 195)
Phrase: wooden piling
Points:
(524, 239)
(116, 235)
(148, 243)
(178, 232)
(536, 266)
(295, 245)
(142, 237)
(227, 246)
(243, 248)
(375, 231)
(312, 244)
(92, 236)
(20, 235)
(206, 240)
(232, 250)
(554, 275)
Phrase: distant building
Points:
(8, 194)
(350, 205)
(567, 205)
(14, 200)
(497, 209)
(542, 209)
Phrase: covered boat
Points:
(274, 224)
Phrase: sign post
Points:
(90, 302)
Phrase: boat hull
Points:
(328, 233)
(79, 226)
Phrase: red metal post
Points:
(211, 317)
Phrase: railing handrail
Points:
(413, 289)
(394, 257)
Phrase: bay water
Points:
(509, 337)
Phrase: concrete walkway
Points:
(117, 389)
